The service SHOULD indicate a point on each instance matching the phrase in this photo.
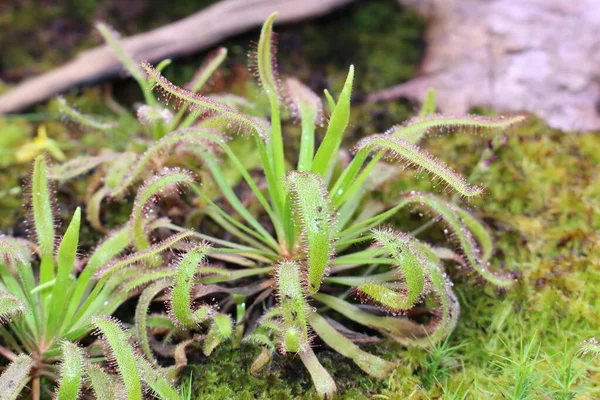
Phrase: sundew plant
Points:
(300, 256)
(320, 256)
(51, 300)
(122, 145)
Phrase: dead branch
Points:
(196, 32)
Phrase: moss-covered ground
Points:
(542, 206)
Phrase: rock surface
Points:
(540, 56)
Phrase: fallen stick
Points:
(196, 32)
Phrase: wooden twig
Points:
(196, 32)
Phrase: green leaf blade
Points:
(71, 372)
(337, 125)
(67, 253)
(294, 310)
(413, 155)
(317, 219)
(124, 356)
(180, 306)
(15, 377)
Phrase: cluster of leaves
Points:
(48, 312)
(301, 239)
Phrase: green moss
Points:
(226, 375)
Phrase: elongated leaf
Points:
(200, 104)
(15, 377)
(114, 244)
(294, 310)
(67, 253)
(306, 106)
(141, 315)
(413, 155)
(112, 38)
(157, 382)
(330, 100)
(417, 127)
(462, 235)
(337, 125)
(324, 384)
(401, 330)
(43, 217)
(181, 308)
(79, 166)
(445, 320)
(142, 256)
(10, 307)
(372, 365)
(119, 169)
(123, 354)
(207, 139)
(71, 372)
(266, 61)
(168, 179)
(411, 270)
(315, 216)
(84, 120)
(105, 387)
(479, 231)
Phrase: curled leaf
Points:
(201, 104)
(411, 268)
(181, 309)
(266, 60)
(168, 179)
(462, 235)
(141, 314)
(207, 139)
